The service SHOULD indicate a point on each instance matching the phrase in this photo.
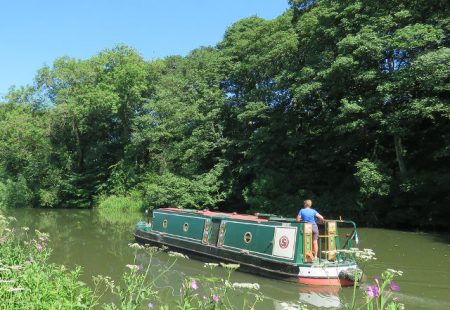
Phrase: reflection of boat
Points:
(264, 244)
(323, 297)
(316, 296)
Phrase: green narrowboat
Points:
(264, 244)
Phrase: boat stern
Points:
(329, 274)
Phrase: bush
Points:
(15, 194)
(131, 201)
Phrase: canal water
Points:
(98, 242)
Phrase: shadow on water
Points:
(441, 237)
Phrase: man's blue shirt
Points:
(308, 215)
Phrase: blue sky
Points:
(34, 33)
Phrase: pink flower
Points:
(39, 247)
(394, 287)
(194, 284)
(373, 291)
(377, 280)
(216, 298)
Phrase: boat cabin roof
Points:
(257, 217)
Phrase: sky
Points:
(34, 33)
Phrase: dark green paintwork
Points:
(234, 232)
(175, 224)
(262, 236)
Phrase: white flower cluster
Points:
(151, 249)
(230, 266)
(136, 246)
(395, 272)
(250, 286)
(176, 254)
(210, 265)
(133, 267)
(363, 255)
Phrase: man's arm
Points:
(320, 217)
(299, 218)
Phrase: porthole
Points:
(185, 226)
(247, 237)
(165, 222)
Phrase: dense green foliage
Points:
(344, 102)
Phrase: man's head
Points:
(307, 203)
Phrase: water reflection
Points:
(323, 297)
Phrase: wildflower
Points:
(15, 267)
(216, 298)
(151, 249)
(251, 286)
(135, 246)
(377, 280)
(16, 289)
(151, 306)
(194, 284)
(176, 254)
(133, 267)
(395, 272)
(230, 266)
(394, 287)
(24, 228)
(41, 238)
(369, 251)
(12, 218)
(373, 291)
(39, 247)
(395, 299)
(210, 265)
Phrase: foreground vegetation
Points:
(344, 102)
(29, 281)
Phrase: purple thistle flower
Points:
(373, 291)
(39, 247)
(194, 284)
(151, 306)
(394, 287)
(216, 298)
(377, 280)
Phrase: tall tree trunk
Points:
(399, 155)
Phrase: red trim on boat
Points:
(325, 281)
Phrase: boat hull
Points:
(310, 274)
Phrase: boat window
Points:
(165, 222)
(185, 226)
(248, 237)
